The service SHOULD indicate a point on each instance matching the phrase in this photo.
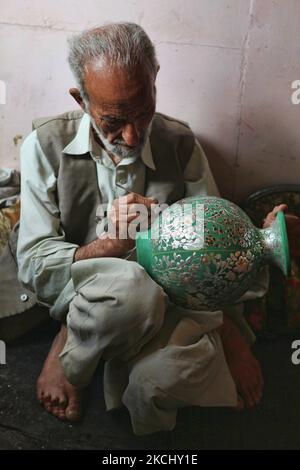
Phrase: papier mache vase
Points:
(205, 252)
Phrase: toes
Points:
(240, 404)
(40, 389)
(62, 413)
(40, 397)
(46, 396)
(62, 405)
(48, 406)
(59, 412)
(63, 401)
(55, 405)
(58, 397)
(55, 410)
(246, 395)
(257, 384)
(249, 401)
(39, 393)
(46, 401)
(73, 410)
(59, 400)
(252, 395)
(55, 401)
(258, 393)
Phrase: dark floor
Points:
(24, 425)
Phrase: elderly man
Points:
(117, 151)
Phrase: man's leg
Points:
(190, 368)
(116, 310)
(54, 391)
(244, 368)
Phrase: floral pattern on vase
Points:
(205, 251)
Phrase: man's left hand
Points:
(292, 225)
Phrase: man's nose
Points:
(130, 135)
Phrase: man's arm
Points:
(44, 257)
(122, 213)
(114, 248)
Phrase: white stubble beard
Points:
(119, 149)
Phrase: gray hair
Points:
(123, 45)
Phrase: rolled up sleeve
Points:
(44, 257)
(198, 176)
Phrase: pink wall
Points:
(226, 68)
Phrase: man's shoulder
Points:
(166, 123)
(59, 119)
(173, 138)
(170, 119)
(55, 132)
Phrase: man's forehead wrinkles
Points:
(119, 112)
(121, 106)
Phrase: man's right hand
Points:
(126, 209)
(120, 240)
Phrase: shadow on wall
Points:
(222, 171)
(268, 156)
(268, 152)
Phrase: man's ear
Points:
(77, 97)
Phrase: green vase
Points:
(205, 252)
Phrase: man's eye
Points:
(147, 114)
(111, 126)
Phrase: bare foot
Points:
(244, 368)
(54, 392)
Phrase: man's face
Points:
(121, 107)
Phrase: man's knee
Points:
(144, 298)
(175, 370)
(124, 306)
(141, 307)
